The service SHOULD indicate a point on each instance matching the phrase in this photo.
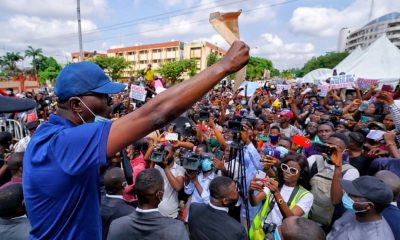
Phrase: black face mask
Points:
(232, 202)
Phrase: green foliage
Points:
(256, 67)
(9, 61)
(329, 60)
(112, 65)
(291, 73)
(33, 53)
(173, 71)
(212, 58)
(47, 68)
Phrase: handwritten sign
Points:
(342, 81)
(283, 87)
(138, 93)
(365, 84)
(324, 89)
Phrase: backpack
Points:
(322, 208)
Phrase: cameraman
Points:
(173, 176)
(197, 182)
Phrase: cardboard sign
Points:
(365, 84)
(283, 87)
(138, 93)
(226, 24)
(342, 81)
(324, 89)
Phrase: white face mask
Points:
(97, 118)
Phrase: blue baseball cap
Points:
(83, 77)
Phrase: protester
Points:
(21, 145)
(365, 198)
(392, 212)
(281, 199)
(14, 165)
(147, 222)
(14, 224)
(112, 205)
(211, 220)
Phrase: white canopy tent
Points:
(380, 61)
(349, 60)
(316, 74)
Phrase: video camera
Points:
(192, 161)
(336, 111)
(158, 154)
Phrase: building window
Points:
(157, 50)
(143, 52)
(156, 60)
(142, 61)
(131, 53)
(171, 49)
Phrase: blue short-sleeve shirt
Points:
(61, 179)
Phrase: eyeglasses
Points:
(290, 170)
(108, 99)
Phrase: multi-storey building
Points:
(155, 54)
(76, 56)
(388, 24)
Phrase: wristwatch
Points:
(280, 201)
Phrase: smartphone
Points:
(364, 119)
(285, 93)
(204, 115)
(261, 174)
(219, 154)
(323, 148)
(301, 141)
(171, 137)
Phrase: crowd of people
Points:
(201, 161)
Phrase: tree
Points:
(47, 68)
(173, 71)
(329, 60)
(111, 65)
(31, 52)
(212, 58)
(256, 67)
(9, 63)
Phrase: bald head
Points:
(391, 180)
(113, 181)
(299, 228)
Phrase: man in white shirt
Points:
(21, 145)
(173, 176)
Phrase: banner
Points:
(365, 84)
(138, 93)
(342, 81)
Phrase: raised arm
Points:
(171, 103)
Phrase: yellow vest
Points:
(256, 231)
(149, 74)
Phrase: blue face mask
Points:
(276, 234)
(348, 203)
(97, 118)
(274, 139)
(206, 165)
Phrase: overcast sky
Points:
(289, 32)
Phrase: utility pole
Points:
(371, 11)
(78, 11)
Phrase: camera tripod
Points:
(237, 171)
